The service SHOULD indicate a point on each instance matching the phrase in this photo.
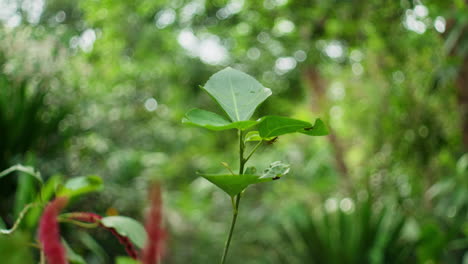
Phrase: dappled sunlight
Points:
(342, 125)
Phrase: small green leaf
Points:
(81, 185)
(126, 260)
(213, 121)
(232, 184)
(276, 170)
(226, 165)
(25, 169)
(319, 129)
(250, 170)
(273, 126)
(127, 227)
(252, 136)
(239, 94)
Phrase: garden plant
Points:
(239, 95)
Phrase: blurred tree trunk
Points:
(462, 92)
(456, 40)
(319, 103)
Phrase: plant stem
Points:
(42, 258)
(78, 223)
(253, 151)
(235, 208)
(18, 221)
(241, 152)
(231, 230)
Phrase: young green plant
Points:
(239, 95)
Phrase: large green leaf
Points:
(232, 184)
(127, 227)
(81, 185)
(13, 249)
(239, 94)
(213, 121)
(273, 126)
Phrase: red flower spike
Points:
(156, 235)
(49, 232)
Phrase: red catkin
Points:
(49, 232)
(155, 233)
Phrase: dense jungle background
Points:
(99, 87)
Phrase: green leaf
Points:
(126, 260)
(252, 136)
(46, 193)
(25, 169)
(13, 248)
(213, 121)
(232, 184)
(127, 227)
(90, 243)
(235, 184)
(250, 170)
(273, 126)
(239, 94)
(319, 129)
(81, 185)
(72, 257)
(276, 170)
(25, 192)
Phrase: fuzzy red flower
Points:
(49, 232)
(153, 250)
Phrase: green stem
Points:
(231, 230)
(18, 221)
(78, 223)
(34, 245)
(241, 152)
(235, 212)
(253, 151)
(42, 258)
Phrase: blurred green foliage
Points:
(100, 87)
(344, 232)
